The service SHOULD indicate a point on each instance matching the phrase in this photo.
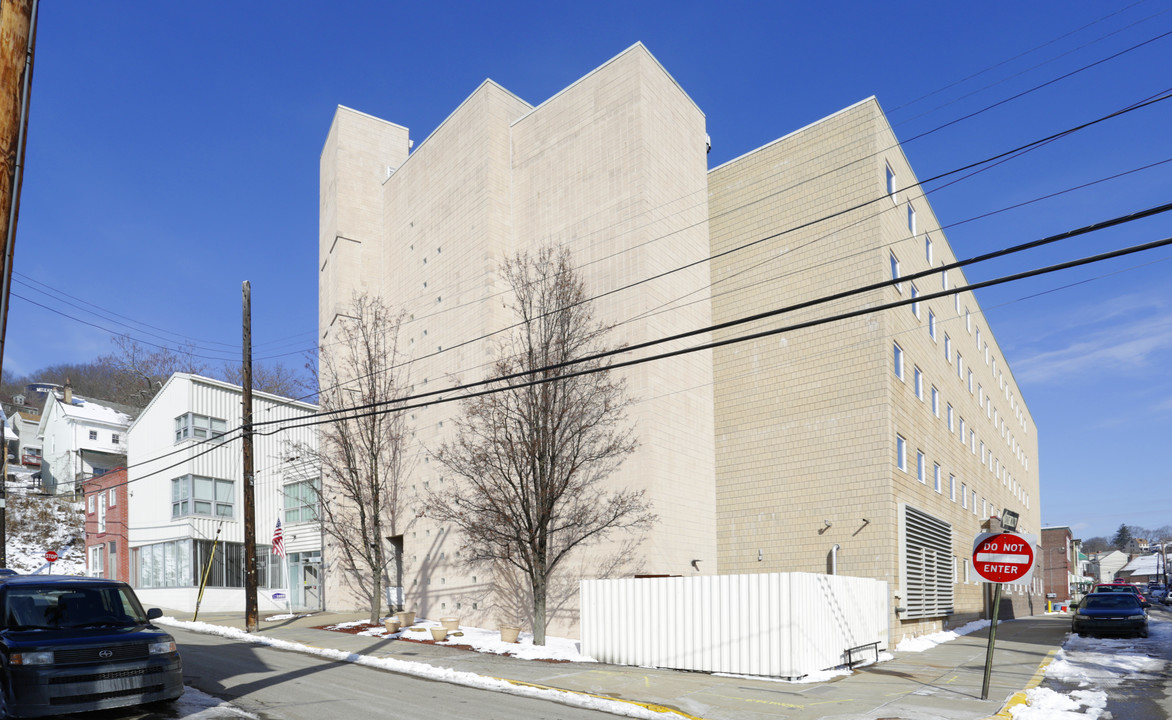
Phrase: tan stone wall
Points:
(820, 443)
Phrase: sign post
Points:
(999, 558)
(51, 556)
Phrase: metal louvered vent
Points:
(928, 560)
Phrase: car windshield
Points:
(1116, 589)
(57, 606)
(1113, 601)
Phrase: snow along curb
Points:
(573, 698)
(1019, 697)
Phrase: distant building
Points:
(24, 434)
(1103, 565)
(80, 438)
(106, 499)
(186, 495)
(1136, 546)
(1058, 563)
(1144, 569)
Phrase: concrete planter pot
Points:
(509, 633)
(451, 623)
(406, 617)
(392, 625)
(439, 633)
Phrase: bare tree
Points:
(277, 379)
(530, 460)
(362, 452)
(142, 371)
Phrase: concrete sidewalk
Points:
(943, 683)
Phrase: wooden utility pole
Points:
(18, 37)
(250, 612)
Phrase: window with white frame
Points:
(901, 453)
(978, 338)
(932, 325)
(956, 303)
(199, 427)
(959, 365)
(951, 426)
(114, 438)
(101, 512)
(984, 453)
(962, 435)
(935, 401)
(968, 320)
(915, 305)
(947, 348)
(919, 383)
(892, 189)
(911, 219)
(897, 360)
(936, 480)
(301, 501)
(970, 380)
(928, 249)
(920, 467)
(93, 434)
(952, 488)
(110, 497)
(195, 495)
(974, 499)
(964, 495)
(895, 272)
(973, 441)
(95, 568)
(89, 505)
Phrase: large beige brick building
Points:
(785, 453)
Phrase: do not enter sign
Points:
(1004, 558)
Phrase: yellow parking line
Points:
(649, 706)
(1019, 698)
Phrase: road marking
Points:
(649, 706)
(1019, 698)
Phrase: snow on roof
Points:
(1143, 565)
(89, 410)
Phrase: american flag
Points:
(278, 540)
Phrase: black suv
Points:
(72, 644)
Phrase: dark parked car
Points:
(1118, 587)
(1110, 613)
(72, 644)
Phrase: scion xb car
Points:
(72, 644)
(1110, 613)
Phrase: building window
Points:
(936, 477)
(935, 401)
(920, 467)
(962, 431)
(964, 495)
(983, 452)
(101, 512)
(96, 569)
(199, 427)
(970, 380)
(195, 495)
(301, 501)
(956, 303)
(901, 453)
(927, 562)
(911, 219)
(968, 320)
(952, 488)
(973, 440)
(895, 272)
(897, 358)
(93, 434)
(110, 495)
(915, 305)
(974, 499)
(981, 395)
(951, 427)
(932, 325)
(89, 505)
(928, 249)
(959, 365)
(947, 348)
(978, 339)
(891, 187)
(114, 438)
(919, 381)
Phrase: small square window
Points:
(93, 434)
(115, 438)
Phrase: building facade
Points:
(877, 445)
(80, 438)
(1058, 563)
(185, 485)
(106, 499)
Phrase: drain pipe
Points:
(834, 559)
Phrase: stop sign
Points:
(51, 556)
(1004, 557)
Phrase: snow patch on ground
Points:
(423, 670)
(196, 705)
(927, 642)
(1045, 704)
(488, 641)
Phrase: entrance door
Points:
(311, 585)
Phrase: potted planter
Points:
(451, 623)
(439, 633)
(406, 617)
(509, 633)
(392, 625)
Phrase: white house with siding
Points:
(187, 494)
(80, 438)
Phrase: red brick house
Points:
(106, 511)
(1057, 562)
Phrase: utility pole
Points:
(250, 613)
(18, 39)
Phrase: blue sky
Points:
(173, 153)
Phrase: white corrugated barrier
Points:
(774, 624)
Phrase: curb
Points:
(647, 706)
(1019, 697)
